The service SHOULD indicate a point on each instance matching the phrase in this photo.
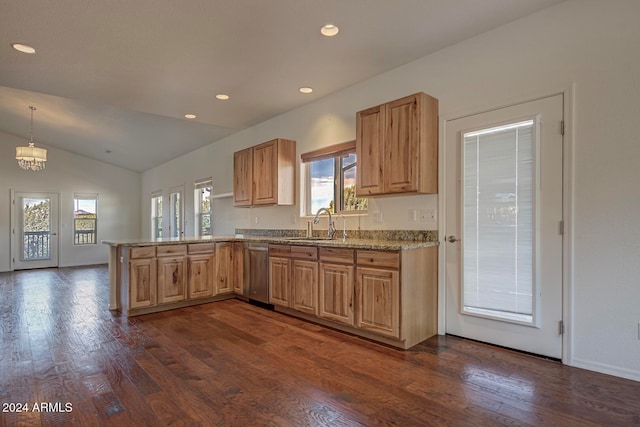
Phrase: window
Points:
(175, 211)
(331, 180)
(156, 215)
(85, 217)
(203, 209)
(499, 183)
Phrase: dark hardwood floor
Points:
(73, 362)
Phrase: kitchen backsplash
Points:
(403, 235)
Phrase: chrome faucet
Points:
(344, 228)
(332, 228)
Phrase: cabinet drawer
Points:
(280, 250)
(201, 248)
(172, 250)
(385, 259)
(342, 256)
(142, 252)
(304, 252)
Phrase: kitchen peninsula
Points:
(381, 285)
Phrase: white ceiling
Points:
(119, 76)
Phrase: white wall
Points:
(592, 44)
(118, 205)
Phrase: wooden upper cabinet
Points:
(243, 177)
(397, 147)
(369, 140)
(265, 174)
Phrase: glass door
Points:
(35, 230)
(503, 227)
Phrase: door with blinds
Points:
(503, 233)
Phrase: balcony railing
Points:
(36, 245)
(84, 237)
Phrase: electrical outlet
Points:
(412, 215)
(257, 219)
(427, 215)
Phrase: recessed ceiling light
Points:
(329, 30)
(24, 48)
(190, 116)
(222, 96)
(305, 90)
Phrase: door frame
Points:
(567, 208)
(13, 226)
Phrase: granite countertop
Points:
(355, 243)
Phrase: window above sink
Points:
(330, 180)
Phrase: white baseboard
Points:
(604, 368)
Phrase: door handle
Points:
(452, 239)
(54, 234)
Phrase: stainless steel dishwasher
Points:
(256, 272)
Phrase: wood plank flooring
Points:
(232, 364)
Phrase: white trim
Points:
(568, 211)
(568, 178)
(12, 224)
(605, 368)
(221, 195)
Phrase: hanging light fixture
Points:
(31, 158)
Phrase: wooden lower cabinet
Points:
(142, 283)
(388, 296)
(336, 293)
(279, 281)
(304, 286)
(201, 275)
(378, 301)
(224, 268)
(172, 279)
(238, 268)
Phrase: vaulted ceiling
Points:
(112, 80)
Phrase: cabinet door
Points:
(243, 177)
(172, 279)
(304, 286)
(238, 268)
(142, 283)
(378, 297)
(336, 292)
(265, 173)
(401, 149)
(201, 275)
(279, 274)
(370, 134)
(224, 267)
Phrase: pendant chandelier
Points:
(31, 158)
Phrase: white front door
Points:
(35, 230)
(503, 217)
